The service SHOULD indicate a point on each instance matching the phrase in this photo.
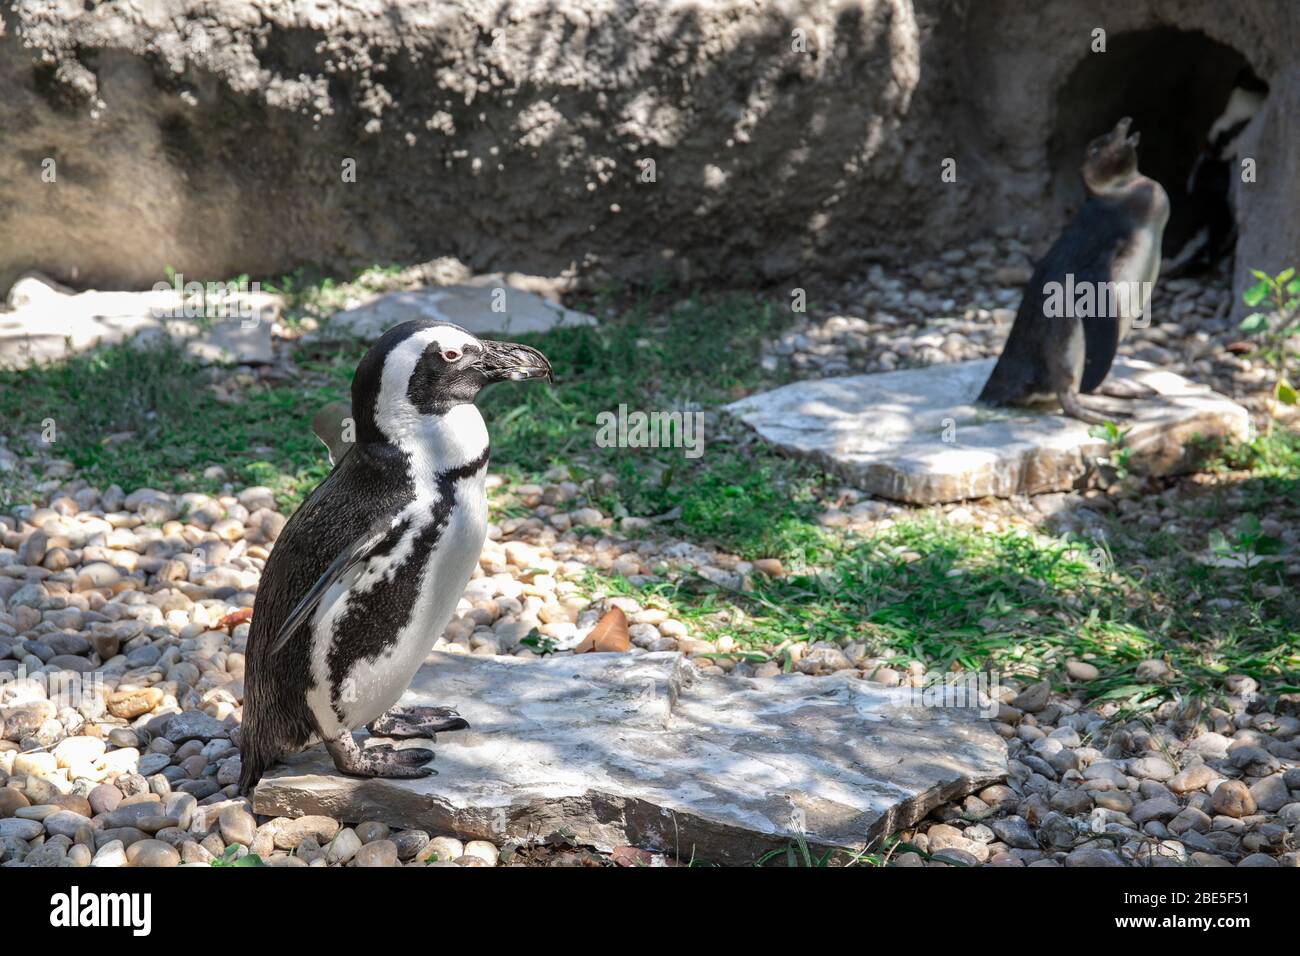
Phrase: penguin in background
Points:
(367, 573)
(1210, 184)
(1055, 352)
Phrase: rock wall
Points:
(787, 138)
(1018, 56)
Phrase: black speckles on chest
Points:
(374, 618)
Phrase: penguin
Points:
(1084, 295)
(1206, 210)
(367, 572)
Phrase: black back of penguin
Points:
(1087, 249)
(367, 482)
(371, 479)
(1114, 238)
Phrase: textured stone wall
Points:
(211, 136)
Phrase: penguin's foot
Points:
(1074, 408)
(379, 761)
(1125, 388)
(403, 722)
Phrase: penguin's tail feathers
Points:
(1009, 382)
(248, 775)
(997, 390)
(254, 757)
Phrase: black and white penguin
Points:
(1206, 212)
(1085, 294)
(367, 573)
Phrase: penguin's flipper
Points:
(1101, 333)
(353, 555)
(328, 425)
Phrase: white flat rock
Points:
(917, 435)
(45, 322)
(608, 750)
(483, 305)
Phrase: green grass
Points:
(1013, 603)
(142, 417)
(923, 590)
(701, 352)
(955, 598)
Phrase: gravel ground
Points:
(960, 307)
(120, 586)
(150, 591)
(145, 774)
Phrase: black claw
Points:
(410, 755)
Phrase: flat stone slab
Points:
(611, 750)
(45, 322)
(483, 305)
(917, 435)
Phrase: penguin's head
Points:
(423, 368)
(1111, 159)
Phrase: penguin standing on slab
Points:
(367, 573)
(1085, 294)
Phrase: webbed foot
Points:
(1125, 388)
(404, 722)
(1074, 408)
(379, 761)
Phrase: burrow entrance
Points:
(1175, 84)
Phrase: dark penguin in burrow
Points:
(367, 573)
(1085, 294)
(1204, 225)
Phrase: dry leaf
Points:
(608, 636)
(234, 618)
(631, 856)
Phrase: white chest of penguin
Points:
(446, 571)
(442, 566)
(1139, 264)
(376, 684)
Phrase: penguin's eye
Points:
(451, 355)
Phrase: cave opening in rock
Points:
(1177, 85)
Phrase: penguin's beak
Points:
(1121, 132)
(511, 362)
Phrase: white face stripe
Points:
(433, 443)
(1242, 105)
(396, 417)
